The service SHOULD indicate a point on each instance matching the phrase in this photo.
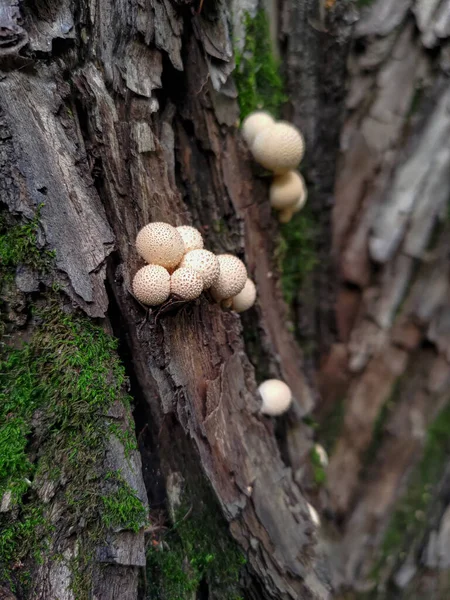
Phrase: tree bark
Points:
(385, 380)
(115, 114)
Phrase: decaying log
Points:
(120, 113)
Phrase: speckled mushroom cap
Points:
(192, 238)
(254, 123)
(286, 190)
(186, 283)
(276, 397)
(279, 148)
(232, 277)
(151, 285)
(205, 263)
(160, 244)
(246, 297)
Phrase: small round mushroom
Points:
(279, 148)
(232, 277)
(286, 190)
(192, 238)
(254, 123)
(160, 244)
(301, 201)
(322, 454)
(186, 283)
(151, 285)
(276, 397)
(246, 297)
(205, 263)
(313, 514)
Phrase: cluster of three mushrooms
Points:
(179, 265)
(278, 147)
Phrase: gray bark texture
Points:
(115, 114)
(387, 373)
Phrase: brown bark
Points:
(390, 368)
(117, 114)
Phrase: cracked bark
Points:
(115, 114)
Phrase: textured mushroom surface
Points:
(160, 244)
(151, 285)
(192, 238)
(246, 297)
(186, 283)
(232, 277)
(254, 124)
(279, 148)
(286, 190)
(276, 397)
(205, 263)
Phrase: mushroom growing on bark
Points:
(254, 123)
(232, 277)
(279, 148)
(160, 244)
(246, 297)
(205, 263)
(287, 190)
(186, 283)
(192, 238)
(276, 397)
(151, 285)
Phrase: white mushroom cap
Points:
(205, 263)
(192, 238)
(160, 244)
(313, 514)
(246, 297)
(186, 283)
(232, 277)
(254, 123)
(151, 285)
(279, 147)
(301, 201)
(286, 190)
(322, 454)
(276, 397)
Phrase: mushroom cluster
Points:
(178, 264)
(278, 147)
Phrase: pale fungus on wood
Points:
(151, 285)
(279, 148)
(192, 238)
(205, 263)
(160, 244)
(186, 283)
(254, 124)
(276, 397)
(246, 297)
(232, 277)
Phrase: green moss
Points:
(257, 73)
(198, 547)
(295, 255)
(320, 476)
(55, 394)
(122, 508)
(18, 246)
(409, 519)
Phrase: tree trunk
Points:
(384, 409)
(114, 114)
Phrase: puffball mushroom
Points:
(254, 123)
(285, 215)
(246, 297)
(287, 190)
(160, 244)
(151, 285)
(276, 397)
(313, 514)
(279, 148)
(192, 238)
(232, 277)
(186, 283)
(205, 263)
